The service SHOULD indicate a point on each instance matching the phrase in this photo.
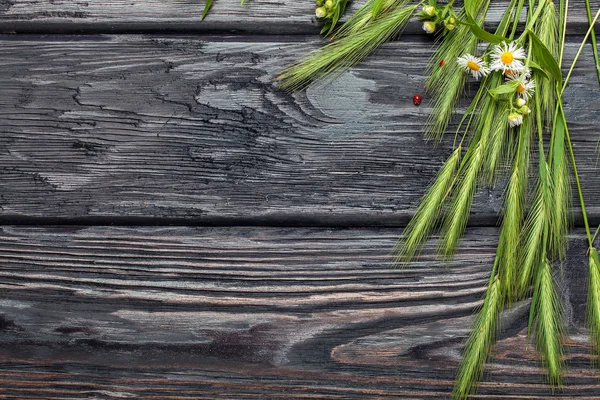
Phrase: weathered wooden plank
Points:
(257, 16)
(257, 313)
(188, 129)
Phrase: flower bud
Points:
(452, 20)
(320, 3)
(329, 4)
(429, 26)
(525, 110)
(321, 12)
(429, 10)
(520, 102)
(450, 27)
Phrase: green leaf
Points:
(508, 87)
(545, 57)
(480, 33)
(537, 68)
(470, 7)
(206, 8)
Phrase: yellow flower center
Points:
(507, 57)
(521, 88)
(473, 66)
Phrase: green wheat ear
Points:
(548, 327)
(479, 343)
(457, 217)
(365, 15)
(444, 84)
(536, 225)
(339, 55)
(593, 303)
(514, 212)
(496, 152)
(424, 221)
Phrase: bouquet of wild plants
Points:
(515, 119)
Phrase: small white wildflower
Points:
(525, 88)
(475, 65)
(508, 57)
(515, 119)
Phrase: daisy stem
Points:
(594, 45)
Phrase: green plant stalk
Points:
(577, 181)
(547, 30)
(593, 35)
(207, 7)
(563, 33)
(516, 20)
(568, 136)
(579, 51)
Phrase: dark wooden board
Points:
(226, 16)
(172, 129)
(110, 312)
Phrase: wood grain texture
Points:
(140, 129)
(107, 312)
(226, 16)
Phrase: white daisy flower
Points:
(515, 119)
(475, 65)
(526, 87)
(507, 57)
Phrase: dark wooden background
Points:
(172, 225)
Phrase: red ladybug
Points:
(417, 99)
(442, 62)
